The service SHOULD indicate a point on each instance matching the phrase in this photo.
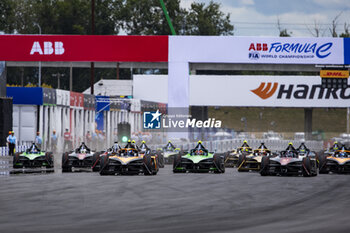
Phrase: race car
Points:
(231, 157)
(289, 162)
(336, 161)
(144, 149)
(335, 147)
(33, 157)
(128, 161)
(81, 157)
(168, 153)
(252, 162)
(304, 151)
(96, 158)
(199, 159)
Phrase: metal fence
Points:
(4, 151)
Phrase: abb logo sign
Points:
(48, 48)
(258, 47)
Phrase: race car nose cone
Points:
(285, 161)
(81, 156)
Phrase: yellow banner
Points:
(334, 74)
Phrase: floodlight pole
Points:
(167, 18)
(92, 65)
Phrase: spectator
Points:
(101, 139)
(54, 141)
(38, 140)
(88, 138)
(67, 140)
(11, 141)
(94, 139)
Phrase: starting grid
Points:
(221, 146)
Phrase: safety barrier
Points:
(4, 151)
(221, 146)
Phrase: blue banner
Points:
(102, 104)
(347, 51)
(26, 95)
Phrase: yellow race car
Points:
(128, 161)
(252, 161)
(231, 157)
(335, 161)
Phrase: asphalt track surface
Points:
(167, 202)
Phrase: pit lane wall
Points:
(48, 109)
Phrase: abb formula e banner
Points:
(271, 50)
(265, 91)
(207, 49)
(83, 48)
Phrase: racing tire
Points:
(265, 166)
(241, 159)
(149, 167)
(65, 163)
(226, 156)
(160, 159)
(219, 163)
(322, 164)
(177, 163)
(49, 159)
(104, 162)
(96, 162)
(155, 167)
(306, 169)
(15, 160)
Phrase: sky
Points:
(259, 17)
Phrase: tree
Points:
(346, 31)
(7, 16)
(282, 32)
(208, 20)
(317, 30)
(145, 17)
(333, 29)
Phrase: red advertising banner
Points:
(76, 99)
(83, 48)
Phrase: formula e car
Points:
(289, 162)
(96, 158)
(252, 162)
(335, 162)
(81, 157)
(33, 157)
(144, 149)
(128, 161)
(199, 159)
(167, 153)
(231, 157)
